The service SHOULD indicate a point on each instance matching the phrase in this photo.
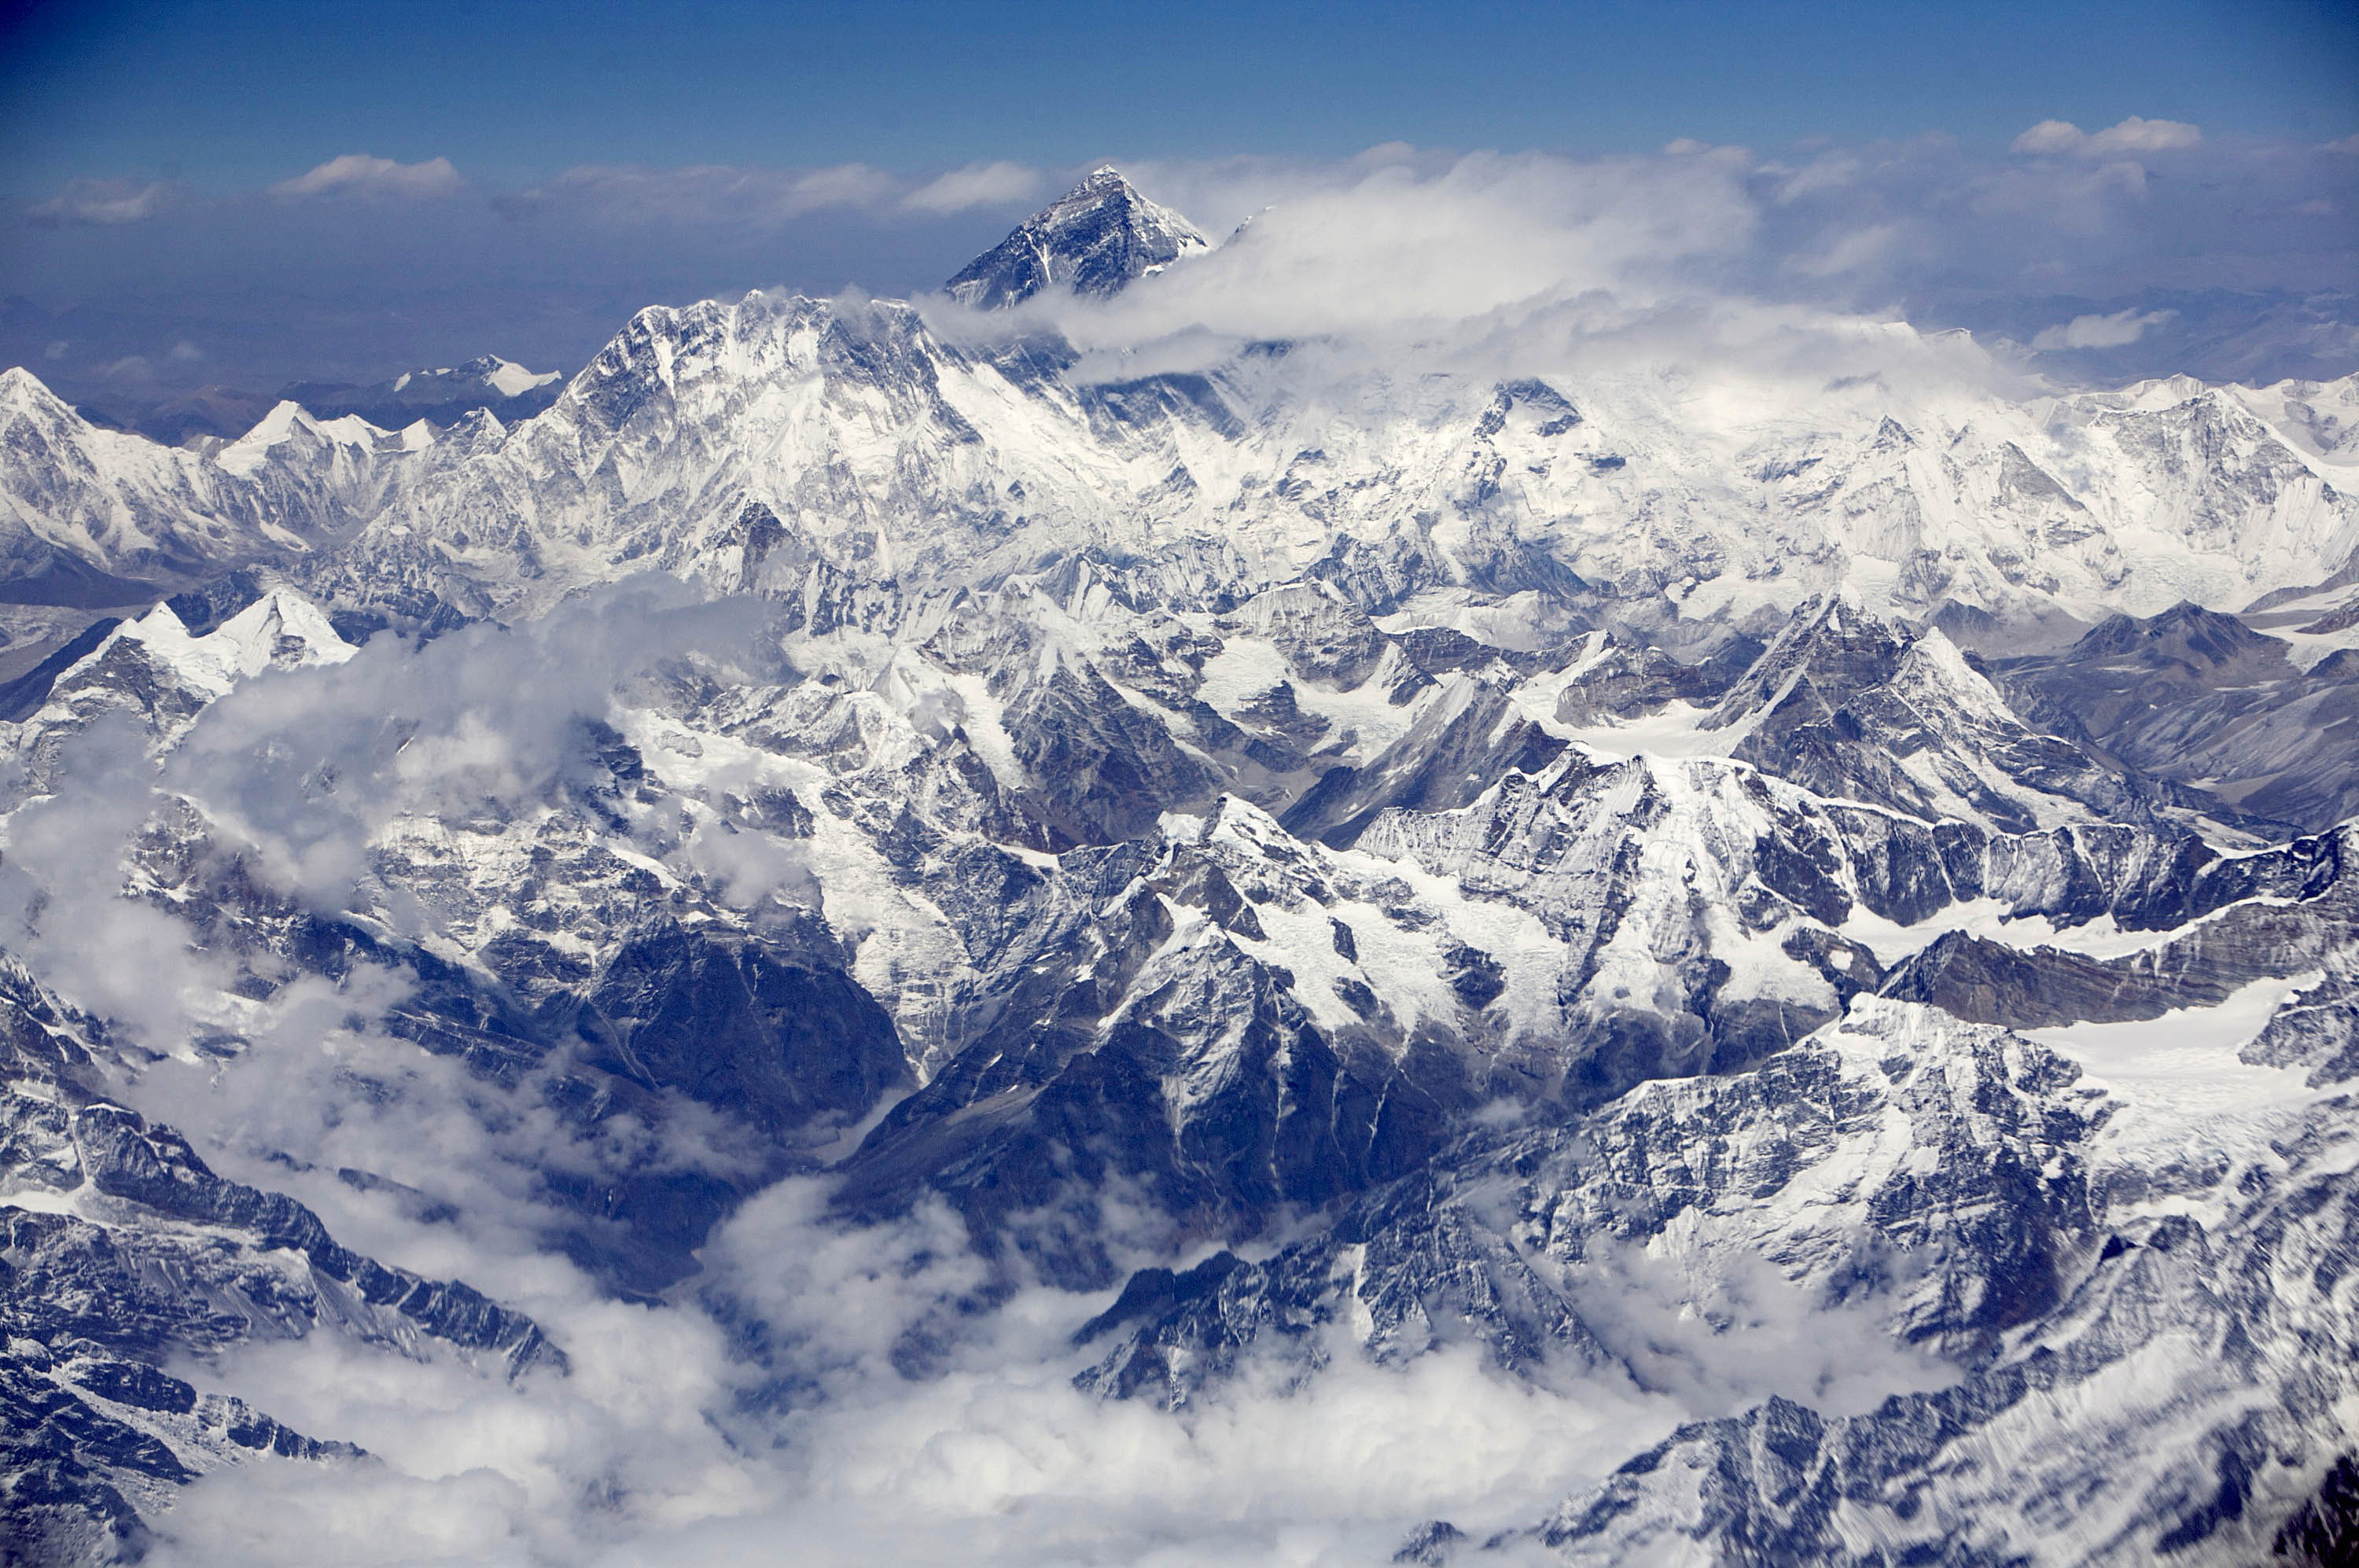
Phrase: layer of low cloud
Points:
(358, 174)
(102, 203)
(2131, 137)
(703, 195)
(649, 1452)
(2101, 332)
(976, 185)
(485, 715)
(736, 197)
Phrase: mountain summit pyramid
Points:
(1093, 240)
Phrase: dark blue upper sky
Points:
(247, 91)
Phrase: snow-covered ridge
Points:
(885, 452)
(504, 376)
(280, 630)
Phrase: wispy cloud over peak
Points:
(2134, 134)
(104, 203)
(976, 185)
(2101, 332)
(357, 173)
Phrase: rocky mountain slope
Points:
(1095, 239)
(1820, 925)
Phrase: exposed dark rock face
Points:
(1973, 977)
(1489, 1240)
(2326, 1529)
(1851, 707)
(1069, 1087)
(1459, 748)
(1772, 1484)
(2195, 696)
(2318, 1029)
(733, 1026)
(1430, 1544)
(1626, 682)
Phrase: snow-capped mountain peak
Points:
(290, 422)
(505, 376)
(280, 630)
(1095, 239)
(18, 385)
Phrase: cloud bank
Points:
(2101, 332)
(102, 203)
(2130, 138)
(977, 185)
(358, 174)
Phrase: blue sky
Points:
(245, 93)
(243, 192)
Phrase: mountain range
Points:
(208, 416)
(1807, 887)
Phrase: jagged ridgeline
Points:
(1318, 862)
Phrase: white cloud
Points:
(667, 1443)
(840, 185)
(104, 203)
(1720, 1343)
(775, 1405)
(484, 713)
(1829, 172)
(357, 173)
(1849, 252)
(60, 911)
(2101, 332)
(2134, 134)
(976, 185)
(2051, 136)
